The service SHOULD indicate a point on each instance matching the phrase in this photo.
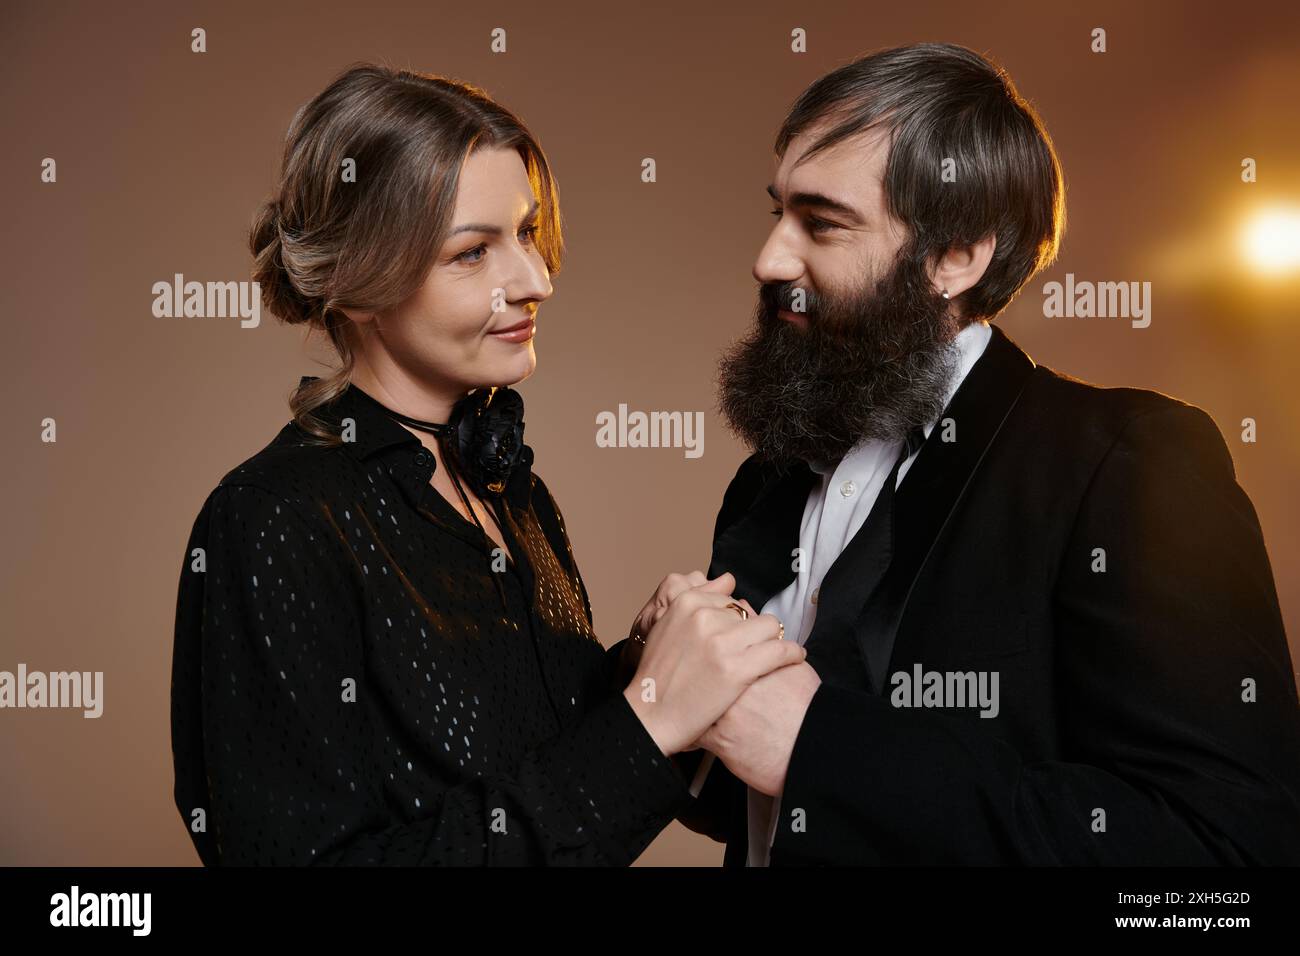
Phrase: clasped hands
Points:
(708, 677)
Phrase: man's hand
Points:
(699, 658)
(756, 735)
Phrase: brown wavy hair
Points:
(322, 244)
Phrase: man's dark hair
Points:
(938, 101)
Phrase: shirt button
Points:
(847, 489)
(816, 591)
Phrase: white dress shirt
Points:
(833, 515)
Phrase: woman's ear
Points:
(358, 317)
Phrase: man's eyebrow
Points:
(493, 230)
(821, 202)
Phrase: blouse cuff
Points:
(616, 781)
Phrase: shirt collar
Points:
(971, 342)
(374, 431)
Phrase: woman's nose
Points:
(533, 279)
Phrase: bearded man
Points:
(1040, 619)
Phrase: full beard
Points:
(871, 364)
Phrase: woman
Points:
(384, 650)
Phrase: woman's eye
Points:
(475, 255)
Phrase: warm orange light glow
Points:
(1270, 241)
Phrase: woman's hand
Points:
(700, 655)
(669, 588)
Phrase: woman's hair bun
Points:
(280, 296)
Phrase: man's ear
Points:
(962, 266)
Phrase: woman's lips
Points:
(521, 332)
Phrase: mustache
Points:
(776, 296)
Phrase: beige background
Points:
(163, 155)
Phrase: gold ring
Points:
(744, 615)
(781, 636)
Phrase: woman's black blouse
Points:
(353, 682)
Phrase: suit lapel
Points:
(757, 546)
(933, 487)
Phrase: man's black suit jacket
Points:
(1148, 711)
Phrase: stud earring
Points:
(945, 293)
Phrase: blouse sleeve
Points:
(617, 671)
(552, 522)
(268, 637)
